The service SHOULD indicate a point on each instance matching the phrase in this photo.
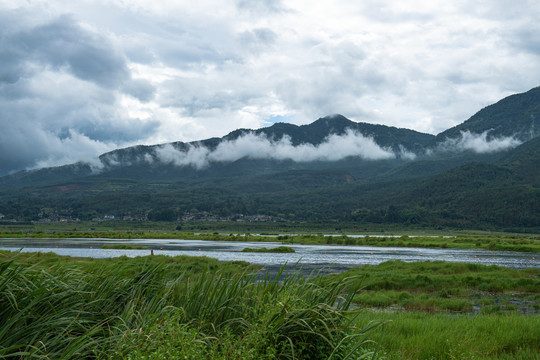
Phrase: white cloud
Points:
(479, 143)
(252, 146)
(74, 148)
(196, 156)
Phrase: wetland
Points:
(109, 298)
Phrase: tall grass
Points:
(416, 335)
(291, 318)
(66, 313)
(61, 311)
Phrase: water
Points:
(309, 257)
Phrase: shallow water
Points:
(308, 256)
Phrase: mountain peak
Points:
(332, 124)
(334, 119)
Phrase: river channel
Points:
(332, 258)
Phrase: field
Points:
(420, 335)
(159, 307)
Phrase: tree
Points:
(165, 214)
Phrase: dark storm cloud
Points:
(62, 44)
(60, 84)
(115, 132)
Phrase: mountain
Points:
(152, 162)
(480, 174)
(515, 116)
(525, 160)
(316, 132)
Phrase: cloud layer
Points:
(81, 78)
(333, 148)
(479, 143)
(252, 146)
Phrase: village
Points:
(48, 215)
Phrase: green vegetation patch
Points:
(445, 277)
(504, 242)
(421, 335)
(445, 286)
(159, 307)
(279, 249)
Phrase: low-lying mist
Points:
(334, 148)
(479, 143)
(252, 146)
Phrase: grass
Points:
(157, 307)
(279, 249)
(442, 286)
(420, 335)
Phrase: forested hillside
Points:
(482, 173)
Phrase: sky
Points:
(80, 78)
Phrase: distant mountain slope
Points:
(479, 193)
(316, 132)
(427, 166)
(517, 166)
(525, 155)
(392, 138)
(505, 191)
(514, 116)
(525, 160)
(45, 176)
(148, 162)
(292, 172)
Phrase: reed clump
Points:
(137, 310)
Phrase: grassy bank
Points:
(445, 286)
(159, 307)
(421, 335)
(441, 310)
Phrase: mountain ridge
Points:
(519, 119)
(319, 130)
(331, 169)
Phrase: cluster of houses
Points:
(190, 216)
(234, 217)
(139, 217)
(49, 215)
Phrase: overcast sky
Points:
(79, 78)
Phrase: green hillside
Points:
(460, 188)
(516, 115)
